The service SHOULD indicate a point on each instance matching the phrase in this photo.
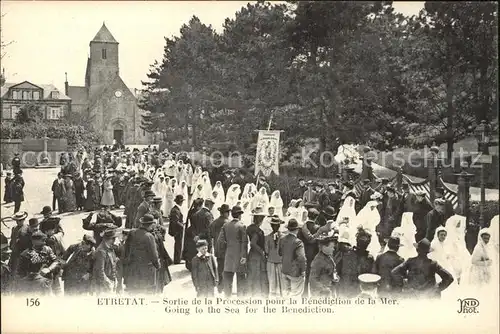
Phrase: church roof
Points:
(78, 94)
(104, 36)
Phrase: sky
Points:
(50, 38)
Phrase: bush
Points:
(76, 135)
(491, 209)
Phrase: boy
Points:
(204, 271)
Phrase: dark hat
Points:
(384, 180)
(110, 233)
(275, 220)
(224, 208)
(126, 231)
(440, 190)
(329, 212)
(38, 236)
(89, 239)
(147, 219)
(394, 242)
(258, 211)
(439, 201)
(201, 243)
(209, 200)
(390, 188)
(179, 198)
(348, 184)
(21, 215)
(338, 176)
(406, 186)
(9, 173)
(293, 224)
(33, 222)
(423, 246)
(147, 184)
(366, 181)
(301, 179)
(326, 237)
(149, 193)
(312, 212)
(46, 210)
(236, 210)
(157, 199)
(111, 170)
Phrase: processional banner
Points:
(268, 149)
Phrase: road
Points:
(38, 194)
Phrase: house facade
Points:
(53, 103)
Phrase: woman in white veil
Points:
(261, 200)
(406, 247)
(207, 186)
(277, 203)
(460, 256)
(218, 197)
(183, 190)
(301, 211)
(347, 210)
(246, 191)
(246, 217)
(291, 211)
(368, 218)
(179, 171)
(198, 192)
(156, 185)
(195, 180)
(408, 230)
(483, 270)
(168, 199)
(494, 230)
(189, 177)
(233, 195)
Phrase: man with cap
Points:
(104, 275)
(323, 274)
(203, 271)
(176, 227)
(215, 229)
(141, 258)
(448, 206)
(103, 221)
(16, 163)
(201, 221)
(385, 263)
(233, 243)
(368, 285)
(36, 265)
(300, 189)
(407, 199)
(274, 260)
(310, 243)
(144, 207)
(435, 218)
(421, 208)
(294, 262)
(258, 285)
(77, 266)
(424, 284)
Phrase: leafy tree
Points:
(29, 113)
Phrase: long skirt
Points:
(108, 198)
(258, 285)
(274, 278)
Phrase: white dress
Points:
(368, 218)
(261, 200)
(277, 203)
(233, 195)
(441, 253)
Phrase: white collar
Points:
(200, 255)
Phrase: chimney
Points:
(66, 85)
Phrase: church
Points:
(110, 105)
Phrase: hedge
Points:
(77, 135)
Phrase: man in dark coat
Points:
(420, 210)
(144, 207)
(294, 262)
(334, 196)
(310, 244)
(16, 164)
(57, 192)
(424, 284)
(78, 261)
(201, 221)
(366, 193)
(435, 218)
(104, 271)
(141, 258)
(104, 220)
(203, 271)
(384, 264)
(215, 229)
(79, 189)
(17, 188)
(7, 196)
(233, 243)
(323, 270)
(408, 200)
(176, 227)
(390, 217)
(299, 191)
(448, 206)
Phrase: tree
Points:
(29, 113)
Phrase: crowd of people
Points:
(331, 240)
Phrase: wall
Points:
(31, 151)
(7, 149)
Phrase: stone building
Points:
(110, 105)
(53, 104)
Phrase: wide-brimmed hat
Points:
(21, 215)
(329, 212)
(376, 196)
(46, 210)
(157, 199)
(292, 225)
(147, 219)
(110, 233)
(209, 200)
(326, 237)
(236, 210)
(224, 208)
(369, 278)
(179, 198)
(258, 211)
(423, 245)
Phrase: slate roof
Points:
(47, 89)
(104, 36)
(78, 94)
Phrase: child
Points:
(204, 271)
(273, 258)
